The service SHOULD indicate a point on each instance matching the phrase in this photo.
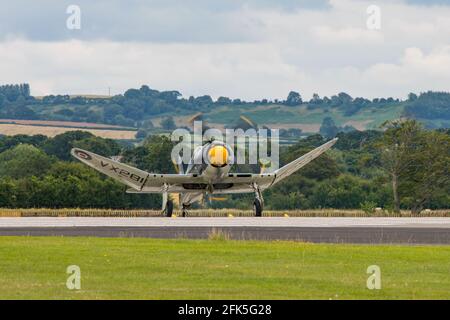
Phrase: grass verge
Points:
(124, 268)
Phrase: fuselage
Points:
(212, 161)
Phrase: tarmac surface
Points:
(331, 230)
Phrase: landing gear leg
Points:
(259, 201)
(168, 210)
(257, 208)
(184, 211)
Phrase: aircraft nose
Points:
(218, 156)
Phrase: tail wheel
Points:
(257, 208)
(169, 208)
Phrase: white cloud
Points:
(91, 67)
(416, 70)
(329, 35)
(272, 52)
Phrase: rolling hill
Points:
(148, 110)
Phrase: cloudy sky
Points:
(249, 49)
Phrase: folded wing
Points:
(298, 163)
(140, 181)
(128, 175)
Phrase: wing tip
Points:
(73, 150)
(331, 143)
(80, 154)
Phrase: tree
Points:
(203, 101)
(429, 172)
(8, 190)
(65, 112)
(429, 105)
(61, 144)
(121, 120)
(328, 129)
(8, 142)
(170, 96)
(345, 98)
(412, 97)
(315, 99)
(141, 134)
(23, 160)
(22, 112)
(293, 99)
(146, 91)
(132, 93)
(399, 150)
(110, 111)
(147, 124)
(25, 90)
(346, 191)
(104, 147)
(224, 100)
(168, 123)
(153, 156)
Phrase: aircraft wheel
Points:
(169, 208)
(257, 208)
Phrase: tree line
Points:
(402, 167)
(135, 107)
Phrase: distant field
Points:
(62, 124)
(51, 131)
(89, 96)
(35, 268)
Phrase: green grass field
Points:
(35, 268)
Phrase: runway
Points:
(331, 230)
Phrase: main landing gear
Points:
(257, 208)
(184, 211)
(167, 204)
(259, 201)
(168, 208)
